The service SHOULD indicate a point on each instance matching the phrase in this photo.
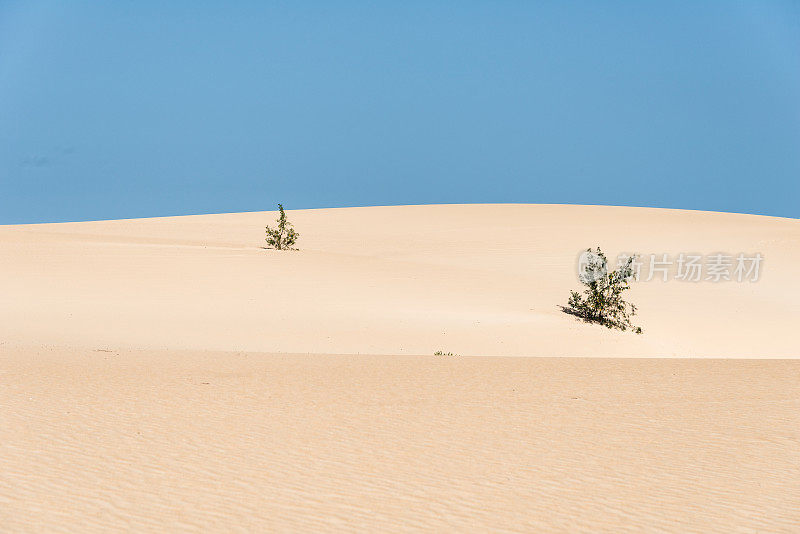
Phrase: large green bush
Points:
(602, 300)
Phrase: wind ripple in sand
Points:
(221, 441)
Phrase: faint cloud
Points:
(47, 159)
(36, 161)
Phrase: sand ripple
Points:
(168, 441)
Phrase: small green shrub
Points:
(284, 236)
(602, 300)
(440, 353)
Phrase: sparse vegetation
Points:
(284, 236)
(440, 353)
(602, 300)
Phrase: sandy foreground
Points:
(170, 374)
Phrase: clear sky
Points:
(136, 109)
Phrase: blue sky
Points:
(136, 109)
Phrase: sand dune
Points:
(206, 441)
(172, 375)
(476, 279)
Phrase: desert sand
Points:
(171, 374)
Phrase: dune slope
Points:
(173, 375)
(470, 279)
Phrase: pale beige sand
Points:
(480, 280)
(167, 441)
(142, 385)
